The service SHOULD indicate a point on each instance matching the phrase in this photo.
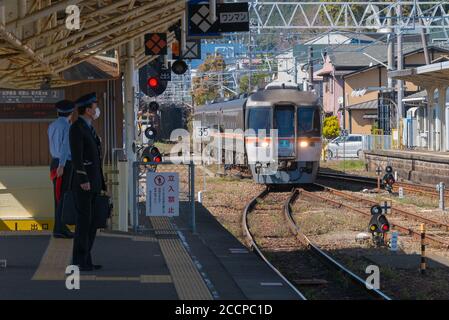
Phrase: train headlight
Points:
(304, 144)
(265, 144)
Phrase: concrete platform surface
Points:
(165, 262)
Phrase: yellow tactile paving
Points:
(142, 279)
(187, 280)
(54, 261)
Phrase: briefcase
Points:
(69, 211)
(102, 211)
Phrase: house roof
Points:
(352, 56)
(368, 105)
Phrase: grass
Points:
(164, 147)
(340, 165)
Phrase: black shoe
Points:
(86, 268)
(97, 266)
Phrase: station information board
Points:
(31, 96)
(22, 111)
(29, 104)
(162, 194)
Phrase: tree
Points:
(206, 87)
(331, 128)
(257, 79)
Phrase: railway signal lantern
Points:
(156, 85)
(150, 133)
(179, 67)
(151, 154)
(378, 225)
(154, 106)
(389, 180)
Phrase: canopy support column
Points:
(130, 118)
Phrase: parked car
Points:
(345, 147)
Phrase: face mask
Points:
(97, 113)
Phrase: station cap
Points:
(87, 100)
(65, 106)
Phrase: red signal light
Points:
(153, 82)
(385, 228)
(158, 159)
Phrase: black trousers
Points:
(59, 227)
(86, 230)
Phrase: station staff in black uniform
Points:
(88, 180)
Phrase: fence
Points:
(186, 190)
(378, 142)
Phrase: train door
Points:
(284, 123)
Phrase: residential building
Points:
(367, 106)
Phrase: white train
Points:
(276, 132)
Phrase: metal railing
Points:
(377, 142)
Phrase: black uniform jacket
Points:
(86, 157)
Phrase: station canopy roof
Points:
(36, 45)
(429, 76)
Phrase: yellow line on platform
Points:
(26, 224)
(188, 282)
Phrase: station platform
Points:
(164, 262)
(412, 165)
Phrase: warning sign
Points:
(156, 44)
(162, 194)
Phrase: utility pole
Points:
(400, 84)
(390, 47)
(424, 40)
(386, 111)
(310, 68)
(250, 61)
(295, 61)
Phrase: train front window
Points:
(309, 122)
(284, 121)
(259, 119)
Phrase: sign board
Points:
(200, 21)
(233, 17)
(162, 194)
(156, 44)
(27, 111)
(344, 133)
(193, 50)
(165, 74)
(31, 96)
(202, 132)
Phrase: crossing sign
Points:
(200, 21)
(156, 44)
(193, 50)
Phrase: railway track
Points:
(332, 265)
(406, 222)
(253, 245)
(422, 190)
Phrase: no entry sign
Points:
(162, 194)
